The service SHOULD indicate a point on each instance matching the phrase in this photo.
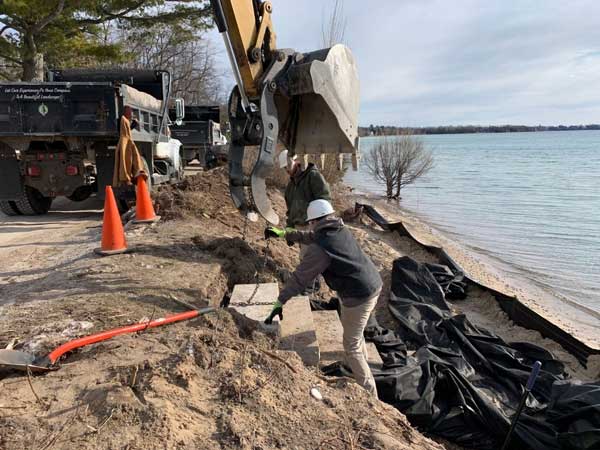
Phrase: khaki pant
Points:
(354, 321)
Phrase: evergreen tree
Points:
(76, 32)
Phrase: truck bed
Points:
(194, 131)
(82, 109)
(67, 109)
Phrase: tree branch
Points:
(11, 59)
(108, 15)
(50, 17)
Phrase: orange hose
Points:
(105, 335)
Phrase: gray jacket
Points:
(354, 272)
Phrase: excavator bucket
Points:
(319, 114)
(309, 102)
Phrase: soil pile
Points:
(209, 383)
(199, 195)
(243, 263)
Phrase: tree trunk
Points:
(389, 190)
(33, 68)
(398, 187)
(33, 62)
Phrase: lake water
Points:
(531, 200)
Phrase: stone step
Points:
(256, 302)
(329, 335)
(298, 330)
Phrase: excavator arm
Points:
(307, 101)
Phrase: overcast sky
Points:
(451, 62)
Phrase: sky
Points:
(458, 62)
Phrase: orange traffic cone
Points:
(113, 235)
(144, 211)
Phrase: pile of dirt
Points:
(199, 195)
(243, 264)
(211, 383)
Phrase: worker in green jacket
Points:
(304, 187)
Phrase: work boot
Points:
(337, 369)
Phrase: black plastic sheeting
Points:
(461, 382)
(517, 311)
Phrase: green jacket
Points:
(305, 187)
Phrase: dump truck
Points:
(58, 136)
(200, 131)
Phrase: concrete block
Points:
(298, 330)
(256, 302)
(330, 333)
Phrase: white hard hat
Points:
(318, 208)
(285, 160)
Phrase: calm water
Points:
(529, 199)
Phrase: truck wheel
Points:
(32, 202)
(122, 206)
(9, 208)
(81, 193)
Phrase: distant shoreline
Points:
(384, 130)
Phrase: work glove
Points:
(276, 311)
(273, 232)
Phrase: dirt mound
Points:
(199, 195)
(243, 263)
(195, 385)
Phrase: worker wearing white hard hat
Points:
(332, 251)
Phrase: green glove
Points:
(273, 232)
(276, 311)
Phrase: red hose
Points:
(105, 335)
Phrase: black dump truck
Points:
(200, 133)
(58, 137)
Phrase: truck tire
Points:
(32, 202)
(9, 208)
(81, 193)
(122, 206)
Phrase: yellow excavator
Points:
(307, 101)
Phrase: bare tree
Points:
(187, 54)
(333, 30)
(398, 162)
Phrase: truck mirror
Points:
(179, 111)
